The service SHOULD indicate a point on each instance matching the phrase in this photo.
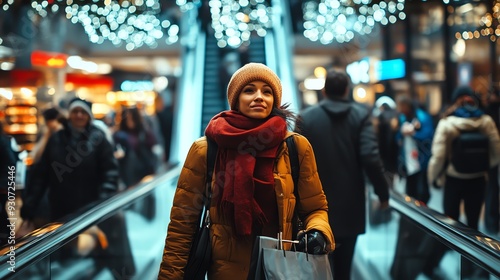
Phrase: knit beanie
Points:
(80, 103)
(249, 73)
(462, 91)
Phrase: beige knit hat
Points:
(249, 73)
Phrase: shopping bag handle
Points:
(294, 242)
(281, 240)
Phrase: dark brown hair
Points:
(133, 113)
(336, 83)
(285, 114)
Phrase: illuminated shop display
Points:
(20, 114)
(48, 59)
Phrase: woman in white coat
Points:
(463, 116)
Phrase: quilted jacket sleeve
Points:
(313, 205)
(186, 208)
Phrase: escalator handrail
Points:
(472, 244)
(44, 245)
(188, 109)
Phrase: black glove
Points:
(316, 242)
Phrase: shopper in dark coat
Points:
(344, 143)
(77, 167)
(137, 140)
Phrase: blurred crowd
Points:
(79, 160)
(457, 152)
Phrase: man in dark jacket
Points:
(77, 167)
(345, 145)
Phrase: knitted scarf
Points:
(246, 153)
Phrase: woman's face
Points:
(256, 100)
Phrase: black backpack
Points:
(470, 152)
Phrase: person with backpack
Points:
(252, 186)
(466, 144)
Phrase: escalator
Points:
(141, 215)
(214, 85)
(257, 50)
(134, 224)
(213, 94)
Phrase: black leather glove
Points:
(316, 242)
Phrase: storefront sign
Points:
(390, 69)
(137, 86)
(48, 59)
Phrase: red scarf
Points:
(246, 155)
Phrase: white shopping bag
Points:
(410, 150)
(20, 164)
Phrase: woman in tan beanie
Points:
(253, 189)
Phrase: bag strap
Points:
(294, 163)
(295, 167)
(211, 155)
(207, 198)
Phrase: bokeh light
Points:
(327, 21)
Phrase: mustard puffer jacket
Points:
(231, 256)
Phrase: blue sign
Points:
(390, 69)
(137, 86)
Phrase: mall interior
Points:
(172, 60)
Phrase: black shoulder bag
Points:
(201, 248)
(293, 155)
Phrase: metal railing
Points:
(36, 246)
(471, 244)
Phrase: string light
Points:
(340, 20)
(234, 21)
(133, 23)
(187, 5)
(475, 22)
(5, 5)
